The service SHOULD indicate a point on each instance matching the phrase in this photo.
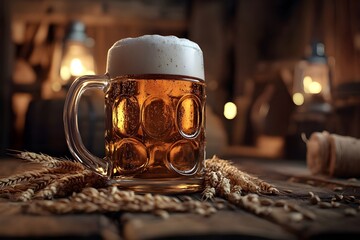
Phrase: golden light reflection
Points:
(230, 110)
(188, 114)
(119, 117)
(188, 118)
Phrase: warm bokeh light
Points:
(56, 86)
(298, 99)
(77, 61)
(76, 67)
(65, 73)
(315, 88)
(311, 86)
(230, 110)
(306, 82)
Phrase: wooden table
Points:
(291, 178)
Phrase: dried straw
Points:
(72, 188)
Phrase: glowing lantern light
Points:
(77, 57)
(312, 79)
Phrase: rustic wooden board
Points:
(224, 224)
(291, 178)
(68, 226)
(295, 182)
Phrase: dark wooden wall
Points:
(239, 38)
(6, 59)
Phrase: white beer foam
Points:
(155, 54)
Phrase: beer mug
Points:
(154, 115)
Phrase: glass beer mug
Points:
(154, 115)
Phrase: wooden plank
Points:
(93, 226)
(295, 170)
(228, 223)
(105, 20)
(224, 224)
(133, 14)
(328, 220)
(295, 182)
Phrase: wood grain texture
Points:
(60, 227)
(291, 178)
(225, 224)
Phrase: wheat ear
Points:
(238, 178)
(35, 157)
(28, 176)
(33, 187)
(71, 183)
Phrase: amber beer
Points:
(155, 126)
(155, 115)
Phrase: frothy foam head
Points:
(155, 54)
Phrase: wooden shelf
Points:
(155, 14)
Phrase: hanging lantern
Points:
(312, 79)
(77, 59)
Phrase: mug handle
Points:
(71, 127)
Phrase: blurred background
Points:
(274, 69)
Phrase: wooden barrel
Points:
(44, 128)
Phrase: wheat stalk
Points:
(65, 165)
(68, 184)
(88, 192)
(239, 180)
(58, 177)
(32, 187)
(28, 176)
(49, 161)
(61, 167)
(35, 157)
